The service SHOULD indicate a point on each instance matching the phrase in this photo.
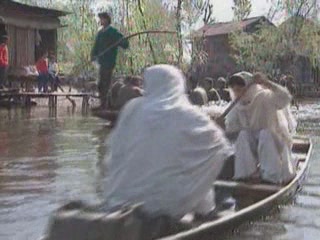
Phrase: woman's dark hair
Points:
(106, 16)
(4, 38)
(134, 80)
(236, 81)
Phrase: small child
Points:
(4, 59)
(53, 72)
(43, 70)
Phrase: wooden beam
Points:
(247, 186)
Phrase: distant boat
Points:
(77, 221)
(107, 114)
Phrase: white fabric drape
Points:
(262, 109)
(258, 152)
(164, 151)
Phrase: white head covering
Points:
(165, 90)
(253, 90)
(164, 151)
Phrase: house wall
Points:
(24, 25)
(301, 69)
(21, 46)
(3, 29)
(48, 42)
(11, 30)
(220, 60)
(24, 46)
(220, 63)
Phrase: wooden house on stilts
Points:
(30, 30)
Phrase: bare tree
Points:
(241, 9)
(179, 30)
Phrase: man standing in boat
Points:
(105, 38)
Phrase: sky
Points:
(222, 9)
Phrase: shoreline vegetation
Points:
(264, 50)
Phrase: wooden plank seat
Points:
(247, 186)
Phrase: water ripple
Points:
(47, 161)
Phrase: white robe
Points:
(263, 121)
(164, 152)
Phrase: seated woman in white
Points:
(264, 125)
(164, 152)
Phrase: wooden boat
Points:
(107, 114)
(77, 221)
(272, 196)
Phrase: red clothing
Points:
(42, 66)
(4, 55)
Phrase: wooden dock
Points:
(52, 97)
(5, 92)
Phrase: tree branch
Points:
(133, 35)
(145, 28)
(179, 34)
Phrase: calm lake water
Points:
(46, 161)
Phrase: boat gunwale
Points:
(201, 229)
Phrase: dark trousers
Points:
(3, 76)
(55, 82)
(104, 85)
(43, 80)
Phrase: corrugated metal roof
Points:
(27, 9)
(227, 27)
(25, 16)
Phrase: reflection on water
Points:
(46, 161)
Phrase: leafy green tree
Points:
(270, 48)
(76, 38)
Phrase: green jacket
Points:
(104, 39)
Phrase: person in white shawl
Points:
(264, 125)
(164, 152)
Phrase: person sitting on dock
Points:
(164, 151)
(4, 60)
(43, 70)
(131, 89)
(53, 68)
(264, 125)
